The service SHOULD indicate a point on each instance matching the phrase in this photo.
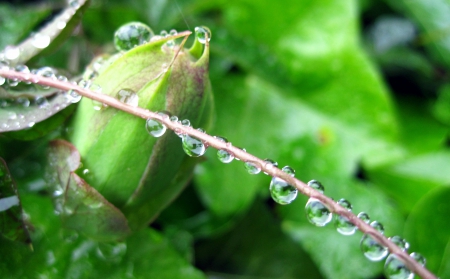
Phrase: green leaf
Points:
(407, 181)
(428, 229)
(435, 37)
(12, 223)
(81, 207)
(61, 254)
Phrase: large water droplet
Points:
(128, 97)
(316, 185)
(155, 128)
(372, 249)
(2, 80)
(281, 191)
(72, 96)
(418, 258)
(40, 41)
(203, 34)
(252, 168)
(192, 146)
(111, 252)
(343, 224)
(317, 213)
(394, 268)
(224, 156)
(132, 34)
(400, 242)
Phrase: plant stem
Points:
(238, 153)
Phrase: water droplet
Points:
(155, 128)
(12, 52)
(96, 88)
(72, 96)
(364, 216)
(316, 185)
(372, 249)
(186, 122)
(400, 242)
(343, 224)
(418, 258)
(62, 78)
(282, 192)
(224, 156)
(12, 115)
(203, 34)
(13, 82)
(24, 102)
(84, 83)
(111, 252)
(40, 41)
(128, 97)
(192, 146)
(243, 149)
(394, 268)
(61, 25)
(289, 170)
(252, 168)
(75, 4)
(163, 33)
(132, 34)
(41, 102)
(173, 32)
(317, 213)
(174, 118)
(98, 105)
(2, 80)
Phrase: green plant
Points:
(329, 148)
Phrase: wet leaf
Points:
(81, 207)
(12, 223)
(53, 34)
(428, 230)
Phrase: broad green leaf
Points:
(144, 167)
(435, 28)
(53, 34)
(82, 208)
(428, 229)
(61, 254)
(12, 223)
(248, 252)
(409, 180)
(16, 23)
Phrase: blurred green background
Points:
(355, 94)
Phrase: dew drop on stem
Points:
(317, 213)
(252, 168)
(394, 268)
(282, 192)
(364, 217)
(371, 249)
(316, 185)
(343, 224)
(400, 242)
(193, 146)
(155, 128)
(289, 170)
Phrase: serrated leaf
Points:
(81, 207)
(12, 223)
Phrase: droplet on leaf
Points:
(203, 34)
(131, 35)
(40, 41)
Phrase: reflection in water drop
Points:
(394, 268)
(132, 34)
(282, 192)
(193, 146)
(203, 34)
(317, 213)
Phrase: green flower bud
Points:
(135, 172)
